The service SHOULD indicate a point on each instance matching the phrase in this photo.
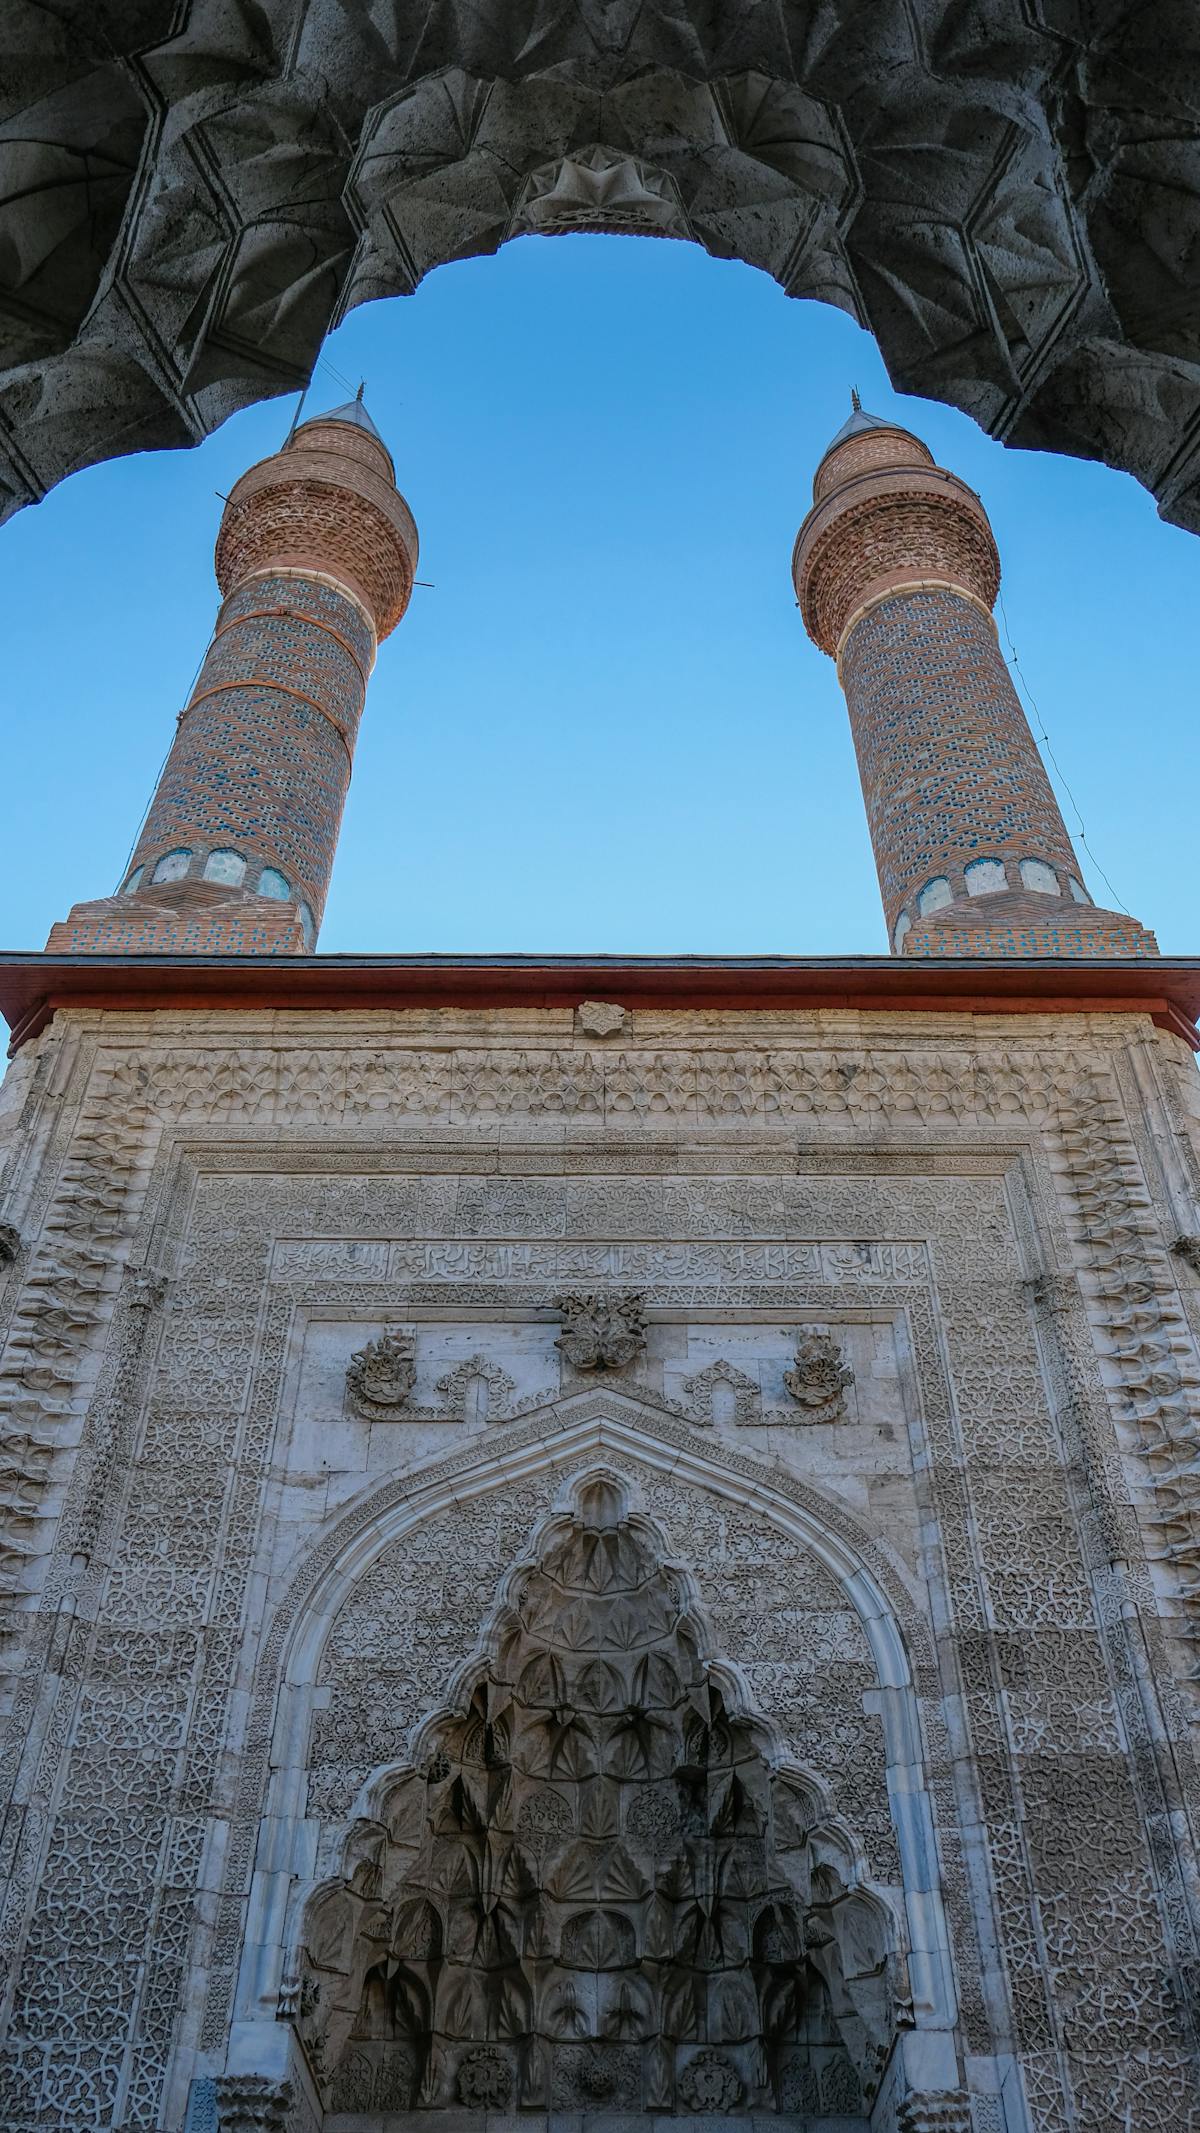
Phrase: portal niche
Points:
(598, 1888)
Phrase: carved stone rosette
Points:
(381, 1376)
(710, 2082)
(819, 1378)
(601, 1332)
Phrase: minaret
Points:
(896, 573)
(315, 560)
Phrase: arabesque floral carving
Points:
(819, 1378)
(601, 1332)
(381, 1376)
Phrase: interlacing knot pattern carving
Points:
(381, 1376)
(601, 1332)
(819, 1378)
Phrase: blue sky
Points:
(604, 727)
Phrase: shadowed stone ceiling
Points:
(1005, 192)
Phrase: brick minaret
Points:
(896, 573)
(315, 561)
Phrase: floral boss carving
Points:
(819, 1378)
(381, 1376)
(601, 1332)
(710, 2083)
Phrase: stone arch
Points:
(969, 201)
(593, 1424)
(597, 1883)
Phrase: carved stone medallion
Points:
(818, 1379)
(381, 1376)
(710, 2083)
(601, 1332)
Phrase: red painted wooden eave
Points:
(34, 987)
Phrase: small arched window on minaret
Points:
(985, 877)
(172, 866)
(1042, 879)
(935, 895)
(229, 867)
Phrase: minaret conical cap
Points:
(351, 411)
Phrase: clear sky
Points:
(604, 727)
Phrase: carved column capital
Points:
(949, 2112)
(252, 2103)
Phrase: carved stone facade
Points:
(190, 197)
(604, 1740)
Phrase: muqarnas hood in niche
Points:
(597, 1887)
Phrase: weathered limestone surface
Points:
(1008, 196)
(859, 1354)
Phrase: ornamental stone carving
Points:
(601, 1332)
(10, 1243)
(381, 1376)
(484, 2082)
(819, 1378)
(600, 1018)
(1011, 211)
(710, 2082)
(949, 2113)
(596, 1870)
(251, 2103)
(144, 1290)
(477, 1391)
(723, 1393)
